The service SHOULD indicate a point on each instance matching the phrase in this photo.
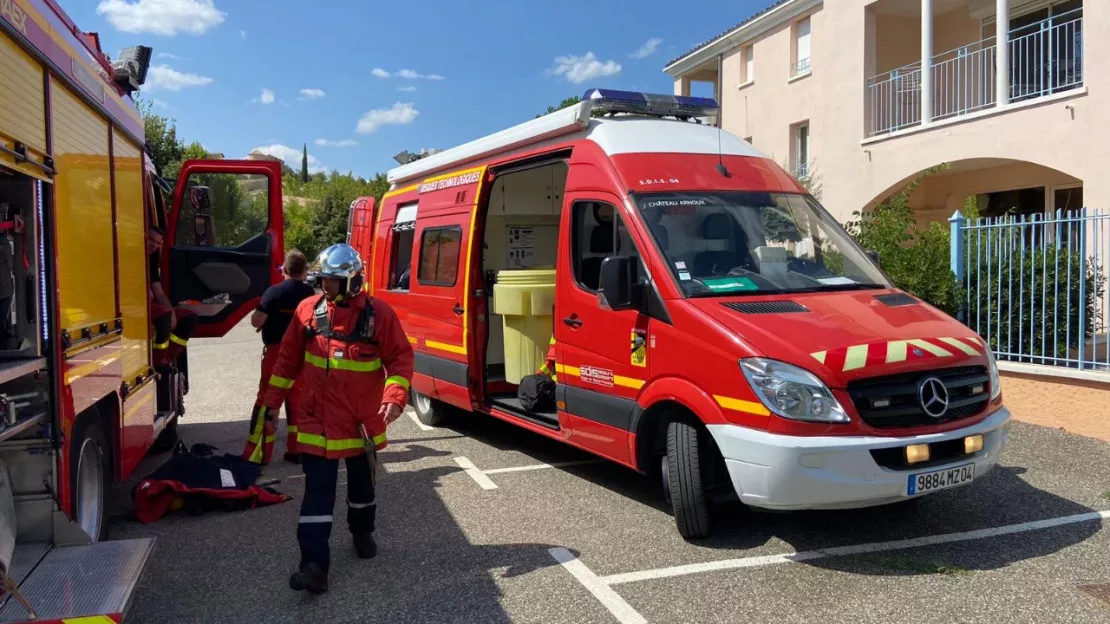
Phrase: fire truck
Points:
(81, 404)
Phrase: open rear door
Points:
(360, 228)
(225, 236)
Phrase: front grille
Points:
(892, 401)
(766, 307)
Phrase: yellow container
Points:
(525, 299)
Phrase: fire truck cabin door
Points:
(225, 239)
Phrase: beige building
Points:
(835, 87)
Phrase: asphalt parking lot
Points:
(486, 523)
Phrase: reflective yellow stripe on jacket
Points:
(341, 364)
(320, 441)
(397, 380)
(281, 382)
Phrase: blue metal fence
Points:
(1037, 285)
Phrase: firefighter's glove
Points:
(390, 412)
(272, 414)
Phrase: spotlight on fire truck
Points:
(404, 157)
(129, 70)
(654, 104)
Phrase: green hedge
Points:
(1028, 302)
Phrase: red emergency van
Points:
(714, 326)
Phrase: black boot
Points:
(365, 545)
(310, 577)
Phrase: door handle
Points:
(573, 321)
(458, 309)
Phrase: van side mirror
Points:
(204, 230)
(618, 284)
(874, 255)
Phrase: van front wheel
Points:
(428, 410)
(685, 472)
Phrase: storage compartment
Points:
(525, 300)
(20, 305)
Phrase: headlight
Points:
(996, 379)
(792, 392)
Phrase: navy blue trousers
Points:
(321, 476)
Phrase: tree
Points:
(193, 151)
(916, 259)
(304, 164)
(161, 135)
(567, 102)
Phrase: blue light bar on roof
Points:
(658, 104)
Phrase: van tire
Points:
(689, 500)
(429, 411)
(89, 469)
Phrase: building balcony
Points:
(1044, 58)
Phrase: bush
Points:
(917, 260)
(1027, 301)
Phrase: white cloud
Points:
(168, 78)
(649, 48)
(313, 94)
(242, 34)
(579, 69)
(266, 97)
(291, 156)
(407, 88)
(161, 17)
(173, 56)
(407, 74)
(161, 104)
(400, 114)
(343, 143)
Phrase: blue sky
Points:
(359, 84)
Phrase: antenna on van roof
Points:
(720, 154)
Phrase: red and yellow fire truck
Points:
(712, 324)
(80, 402)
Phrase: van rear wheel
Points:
(430, 411)
(684, 469)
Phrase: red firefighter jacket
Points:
(347, 362)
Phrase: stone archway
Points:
(995, 185)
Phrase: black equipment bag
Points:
(537, 393)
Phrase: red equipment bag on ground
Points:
(197, 481)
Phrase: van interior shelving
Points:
(526, 200)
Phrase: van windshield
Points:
(745, 243)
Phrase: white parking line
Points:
(416, 419)
(917, 542)
(541, 466)
(475, 474)
(610, 599)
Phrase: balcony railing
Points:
(1045, 58)
(800, 68)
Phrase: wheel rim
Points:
(90, 481)
(423, 403)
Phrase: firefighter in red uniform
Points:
(353, 363)
(271, 319)
(172, 326)
(548, 367)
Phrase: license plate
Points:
(923, 482)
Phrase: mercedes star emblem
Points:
(933, 396)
